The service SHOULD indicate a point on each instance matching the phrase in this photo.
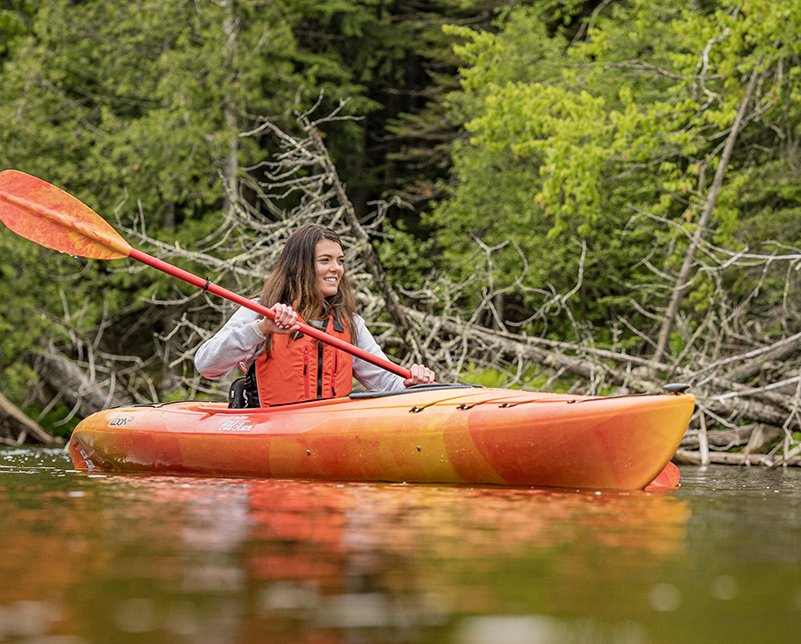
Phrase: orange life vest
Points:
(302, 368)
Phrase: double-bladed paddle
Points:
(42, 213)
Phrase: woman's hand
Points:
(421, 375)
(286, 320)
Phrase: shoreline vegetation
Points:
(598, 198)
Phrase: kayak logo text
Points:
(234, 426)
(121, 421)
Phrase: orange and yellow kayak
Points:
(432, 434)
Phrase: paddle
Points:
(47, 215)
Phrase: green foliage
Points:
(488, 377)
(571, 138)
(403, 254)
(484, 377)
(575, 134)
(134, 115)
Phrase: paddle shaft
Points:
(311, 331)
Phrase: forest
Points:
(588, 196)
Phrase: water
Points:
(95, 559)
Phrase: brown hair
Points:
(294, 281)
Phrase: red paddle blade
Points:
(47, 215)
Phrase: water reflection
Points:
(95, 558)
(236, 560)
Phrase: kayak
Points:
(427, 434)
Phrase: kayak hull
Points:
(433, 435)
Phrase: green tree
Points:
(573, 133)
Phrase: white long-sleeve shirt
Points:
(239, 343)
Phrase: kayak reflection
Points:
(323, 559)
(246, 560)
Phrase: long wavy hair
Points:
(294, 281)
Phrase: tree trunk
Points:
(230, 163)
(683, 280)
(392, 302)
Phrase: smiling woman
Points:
(282, 365)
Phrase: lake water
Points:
(94, 559)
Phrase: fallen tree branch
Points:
(688, 457)
(750, 410)
(26, 427)
(82, 394)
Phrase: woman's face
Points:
(329, 263)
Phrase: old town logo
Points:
(235, 426)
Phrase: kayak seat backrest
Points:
(236, 394)
(244, 392)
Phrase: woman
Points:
(282, 364)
